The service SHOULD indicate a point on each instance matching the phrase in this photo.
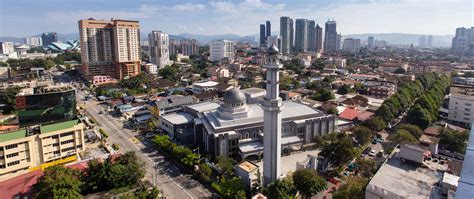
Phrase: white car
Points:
(372, 153)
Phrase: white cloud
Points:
(244, 7)
(189, 7)
(183, 27)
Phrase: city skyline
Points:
(403, 16)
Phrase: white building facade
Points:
(6, 48)
(221, 51)
(34, 41)
(461, 105)
(159, 48)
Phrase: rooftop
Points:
(204, 106)
(248, 166)
(178, 118)
(206, 84)
(13, 135)
(58, 126)
(399, 179)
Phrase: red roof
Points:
(351, 113)
(20, 185)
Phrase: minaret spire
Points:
(272, 106)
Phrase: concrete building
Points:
(429, 41)
(370, 42)
(461, 40)
(268, 29)
(48, 38)
(249, 173)
(422, 42)
(263, 36)
(319, 39)
(5, 73)
(201, 87)
(286, 28)
(311, 36)
(6, 48)
(28, 149)
(151, 68)
(159, 48)
(189, 47)
(351, 45)
(461, 106)
(301, 35)
(330, 37)
(221, 51)
(110, 48)
(274, 40)
(465, 187)
(34, 41)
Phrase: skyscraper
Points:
(159, 48)
(292, 36)
(422, 43)
(268, 29)
(49, 38)
(109, 48)
(286, 35)
(370, 42)
(429, 42)
(272, 107)
(319, 38)
(189, 47)
(351, 45)
(262, 35)
(274, 40)
(461, 40)
(311, 36)
(330, 37)
(301, 35)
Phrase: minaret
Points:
(272, 106)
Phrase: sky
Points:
(21, 18)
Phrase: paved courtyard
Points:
(288, 163)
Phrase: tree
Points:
(339, 150)
(9, 98)
(453, 140)
(402, 135)
(362, 134)
(376, 123)
(344, 89)
(232, 188)
(412, 129)
(127, 170)
(353, 189)
(170, 73)
(366, 167)
(281, 188)
(308, 182)
(59, 182)
(204, 172)
(329, 79)
(323, 95)
(332, 111)
(419, 116)
(226, 165)
(96, 175)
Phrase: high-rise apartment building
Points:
(174, 47)
(262, 35)
(301, 35)
(49, 38)
(274, 40)
(319, 38)
(110, 48)
(422, 42)
(331, 37)
(461, 40)
(429, 41)
(286, 34)
(6, 48)
(34, 41)
(221, 51)
(189, 47)
(292, 36)
(159, 48)
(351, 45)
(370, 42)
(268, 29)
(311, 36)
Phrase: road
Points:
(169, 179)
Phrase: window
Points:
(2, 157)
(66, 134)
(466, 109)
(79, 146)
(467, 114)
(54, 136)
(13, 163)
(67, 142)
(12, 155)
(466, 118)
(68, 149)
(56, 144)
(11, 146)
(467, 104)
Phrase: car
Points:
(374, 141)
(381, 152)
(372, 153)
(149, 135)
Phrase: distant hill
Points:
(61, 37)
(402, 38)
